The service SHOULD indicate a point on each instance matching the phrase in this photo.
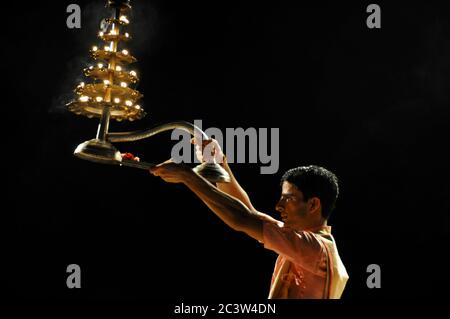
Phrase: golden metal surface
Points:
(94, 109)
(111, 79)
(112, 98)
(103, 74)
(108, 55)
(114, 37)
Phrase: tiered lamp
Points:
(111, 94)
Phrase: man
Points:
(308, 265)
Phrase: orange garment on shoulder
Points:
(308, 265)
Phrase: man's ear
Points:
(314, 205)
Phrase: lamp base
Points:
(213, 172)
(98, 151)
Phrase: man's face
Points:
(292, 206)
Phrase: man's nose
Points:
(279, 207)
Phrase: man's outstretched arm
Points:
(232, 188)
(229, 209)
(213, 148)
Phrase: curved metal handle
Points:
(139, 135)
(103, 151)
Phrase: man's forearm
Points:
(234, 189)
(231, 210)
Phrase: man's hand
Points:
(210, 151)
(172, 172)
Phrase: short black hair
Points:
(315, 181)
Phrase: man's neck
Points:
(313, 226)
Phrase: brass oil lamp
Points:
(112, 96)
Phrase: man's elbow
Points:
(237, 223)
(240, 221)
(249, 225)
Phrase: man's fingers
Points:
(154, 170)
(170, 160)
(203, 142)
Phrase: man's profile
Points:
(308, 263)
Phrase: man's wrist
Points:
(188, 175)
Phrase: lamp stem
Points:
(103, 126)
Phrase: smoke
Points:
(143, 27)
(79, 41)
(73, 76)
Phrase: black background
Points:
(372, 105)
